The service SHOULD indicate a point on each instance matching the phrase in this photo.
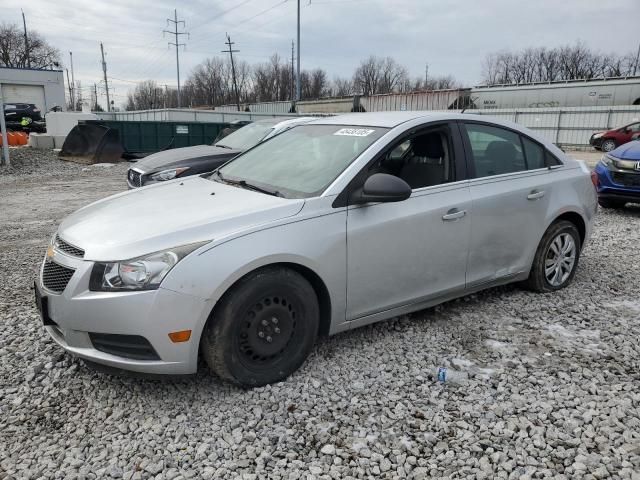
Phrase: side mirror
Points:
(382, 187)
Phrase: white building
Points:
(43, 88)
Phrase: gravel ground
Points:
(552, 389)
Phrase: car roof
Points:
(391, 119)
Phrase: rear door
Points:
(510, 197)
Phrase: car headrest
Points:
(429, 145)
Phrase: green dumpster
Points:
(149, 137)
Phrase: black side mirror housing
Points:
(382, 187)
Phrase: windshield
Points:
(303, 161)
(246, 137)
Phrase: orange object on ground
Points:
(16, 138)
(23, 138)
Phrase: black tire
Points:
(608, 145)
(609, 203)
(263, 329)
(537, 280)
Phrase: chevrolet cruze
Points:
(329, 226)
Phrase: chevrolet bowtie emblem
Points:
(50, 252)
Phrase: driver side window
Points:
(422, 160)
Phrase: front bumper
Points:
(595, 142)
(609, 189)
(73, 316)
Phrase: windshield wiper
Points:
(223, 146)
(248, 186)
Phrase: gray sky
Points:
(453, 36)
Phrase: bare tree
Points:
(341, 87)
(13, 52)
(379, 75)
(566, 62)
(146, 96)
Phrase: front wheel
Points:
(556, 260)
(263, 329)
(608, 145)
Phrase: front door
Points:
(410, 251)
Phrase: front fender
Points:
(317, 243)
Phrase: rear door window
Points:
(534, 154)
(495, 150)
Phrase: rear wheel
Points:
(608, 203)
(263, 329)
(608, 145)
(556, 259)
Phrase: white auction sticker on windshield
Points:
(354, 132)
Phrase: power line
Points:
(245, 20)
(219, 15)
(177, 44)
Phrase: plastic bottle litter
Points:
(451, 376)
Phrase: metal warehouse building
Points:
(44, 88)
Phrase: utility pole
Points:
(166, 95)
(26, 40)
(233, 68)
(73, 83)
(3, 131)
(292, 70)
(426, 76)
(95, 97)
(104, 71)
(177, 43)
(70, 87)
(298, 67)
(635, 67)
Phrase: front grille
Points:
(128, 346)
(68, 248)
(135, 178)
(626, 179)
(55, 277)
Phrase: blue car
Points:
(617, 176)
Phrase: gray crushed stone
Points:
(553, 388)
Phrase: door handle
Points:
(453, 214)
(535, 194)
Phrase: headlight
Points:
(625, 164)
(597, 135)
(168, 174)
(606, 160)
(142, 273)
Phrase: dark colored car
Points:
(183, 162)
(14, 112)
(617, 176)
(611, 139)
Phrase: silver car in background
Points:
(329, 226)
(198, 159)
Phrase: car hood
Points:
(179, 212)
(177, 156)
(627, 151)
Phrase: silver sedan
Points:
(329, 226)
